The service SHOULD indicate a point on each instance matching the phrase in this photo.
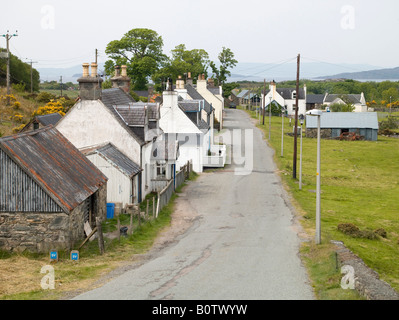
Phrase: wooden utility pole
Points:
(61, 85)
(96, 55)
(8, 37)
(264, 100)
(296, 119)
(31, 75)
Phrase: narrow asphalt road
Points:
(242, 245)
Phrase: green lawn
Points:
(360, 185)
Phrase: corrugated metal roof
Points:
(113, 155)
(55, 164)
(347, 120)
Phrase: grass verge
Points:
(360, 184)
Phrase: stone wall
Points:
(41, 232)
(324, 133)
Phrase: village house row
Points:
(60, 172)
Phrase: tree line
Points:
(141, 50)
(20, 73)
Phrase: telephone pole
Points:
(31, 75)
(296, 118)
(61, 85)
(96, 55)
(8, 38)
(264, 100)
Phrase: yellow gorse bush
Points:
(50, 107)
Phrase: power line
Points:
(8, 38)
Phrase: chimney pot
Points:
(124, 71)
(85, 70)
(94, 70)
(117, 71)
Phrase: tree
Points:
(183, 61)
(20, 73)
(227, 61)
(139, 49)
(390, 94)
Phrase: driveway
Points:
(235, 235)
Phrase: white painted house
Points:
(191, 132)
(357, 100)
(98, 118)
(213, 95)
(286, 98)
(123, 172)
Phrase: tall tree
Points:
(227, 61)
(182, 62)
(141, 50)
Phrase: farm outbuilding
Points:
(335, 124)
(48, 192)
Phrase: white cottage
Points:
(96, 119)
(285, 98)
(190, 130)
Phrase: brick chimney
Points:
(189, 79)
(121, 79)
(90, 85)
(181, 88)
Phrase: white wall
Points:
(216, 101)
(119, 186)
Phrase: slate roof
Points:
(48, 119)
(195, 95)
(315, 98)
(286, 93)
(132, 115)
(191, 108)
(243, 94)
(117, 97)
(353, 98)
(116, 158)
(347, 120)
(55, 164)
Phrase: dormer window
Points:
(294, 95)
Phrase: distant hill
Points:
(379, 74)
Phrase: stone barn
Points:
(49, 191)
(335, 124)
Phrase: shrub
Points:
(45, 97)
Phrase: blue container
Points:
(110, 210)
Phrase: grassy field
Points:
(360, 185)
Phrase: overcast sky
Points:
(66, 33)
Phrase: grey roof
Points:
(66, 175)
(119, 160)
(286, 93)
(117, 97)
(346, 120)
(48, 119)
(215, 91)
(132, 115)
(194, 94)
(243, 93)
(353, 98)
(315, 98)
(190, 105)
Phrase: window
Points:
(294, 95)
(161, 170)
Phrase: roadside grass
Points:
(20, 277)
(360, 185)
